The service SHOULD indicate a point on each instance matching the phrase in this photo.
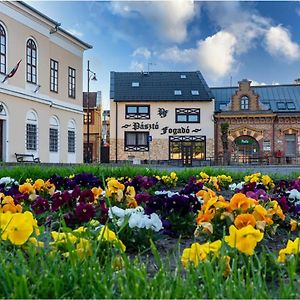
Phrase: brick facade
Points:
(272, 137)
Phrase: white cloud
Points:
(137, 66)
(178, 55)
(214, 55)
(279, 43)
(75, 32)
(169, 18)
(256, 83)
(142, 51)
(298, 11)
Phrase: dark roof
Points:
(158, 86)
(92, 99)
(278, 98)
(56, 24)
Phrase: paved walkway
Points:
(267, 169)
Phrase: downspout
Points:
(116, 132)
(216, 138)
(273, 138)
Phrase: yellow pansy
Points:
(244, 239)
(97, 192)
(8, 205)
(292, 247)
(26, 188)
(16, 227)
(108, 235)
(294, 225)
(244, 220)
(39, 184)
(197, 252)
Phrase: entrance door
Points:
(248, 149)
(187, 155)
(1, 140)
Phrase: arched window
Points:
(53, 134)
(2, 50)
(244, 103)
(31, 55)
(71, 136)
(31, 130)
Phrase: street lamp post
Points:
(91, 76)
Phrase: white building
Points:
(41, 105)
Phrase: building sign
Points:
(164, 130)
(162, 112)
(244, 142)
(267, 146)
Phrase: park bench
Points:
(27, 158)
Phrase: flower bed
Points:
(226, 227)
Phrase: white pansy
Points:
(154, 222)
(168, 193)
(294, 194)
(235, 186)
(8, 182)
(136, 218)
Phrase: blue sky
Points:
(226, 41)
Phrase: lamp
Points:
(91, 76)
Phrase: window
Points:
(31, 53)
(244, 103)
(71, 141)
(137, 112)
(53, 134)
(72, 83)
(290, 141)
(53, 75)
(53, 140)
(2, 50)
(195, 92)
(135, 84)
(177, 92)
(187, 115)
(183, 76)
(136, 141)
(291, 105)
(267, 105)
(197, 145)
(71, 136)
(281, 105)
(31, 134)
(223, 106)
(31, 130)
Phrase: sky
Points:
(226, 41)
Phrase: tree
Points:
(224, 138)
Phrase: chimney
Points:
(297, 81)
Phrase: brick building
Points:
(264, 122)
(95, 128)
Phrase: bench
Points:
(27, 158)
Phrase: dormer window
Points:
(177, 92)
(291, 105)
(244, 103)
(281, 105)
(135, 84)
(183, 76)
(195, 92)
